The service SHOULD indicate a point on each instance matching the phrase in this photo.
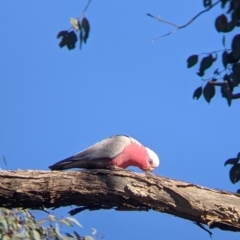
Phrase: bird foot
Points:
(113, 167)
(149, 173)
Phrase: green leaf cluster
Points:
(20, 224)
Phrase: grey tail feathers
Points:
(65, 164)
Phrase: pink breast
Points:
(132, 155)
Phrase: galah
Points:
(116, 151)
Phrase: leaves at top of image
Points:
(222, 24)
(230, 55)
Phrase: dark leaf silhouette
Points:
(72, 39)
(192, 60)
(221, 23)
(205, 64)
(69, 39)
(235, 76)
(209, 92)
(234, 173)
(236, 46)
(231, 58)
(197, 93)
(86, 27)
(224, 3)
(231, 161)
(236, 13)
(225, 58)
(64, 41)
(62, 34)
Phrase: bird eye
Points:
(150, 161)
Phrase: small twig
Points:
(215, 51)
(215, 77)
(226, 89)
(5, 162)
(182, 26)
(90, 208)
(217, 83)
(44, 210)
(235, 96)
(77, 210)
(84, 10)
(210, 79)
(200, 13)
(163, 21)
(202, 227)
(86, 7)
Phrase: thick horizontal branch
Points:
(120, 190)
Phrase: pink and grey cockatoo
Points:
(116, 151)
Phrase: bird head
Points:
(153, 159)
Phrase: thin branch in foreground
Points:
(202, 227)
(182, 26)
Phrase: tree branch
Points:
(182, 26)
(120, 190)
(86, 7)
(226, 89)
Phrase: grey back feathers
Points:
(105, 149)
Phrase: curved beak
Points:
(151, 169)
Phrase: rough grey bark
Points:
(120, 190)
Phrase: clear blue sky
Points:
(54, 103)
